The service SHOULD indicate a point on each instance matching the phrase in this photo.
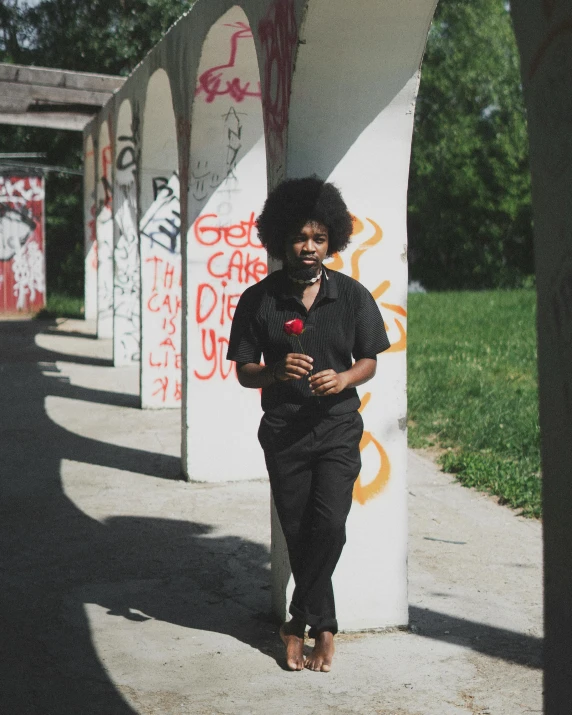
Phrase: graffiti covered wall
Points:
(90, 234)
(286, 88)
(160, 246)
(104, 231)
(162, 281)
(224, 256)
(126, 268)
(22, 244)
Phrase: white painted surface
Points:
(104, 229)
(358, 135)
(90, 242)
(160, 251)
(161, 280)
(227, 190)
(126, 274)
(349, 119)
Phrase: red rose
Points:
(294, 327)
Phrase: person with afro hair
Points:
(296, 201)
(318, 333)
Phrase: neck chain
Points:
(312, 280)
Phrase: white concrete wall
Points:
(358, 135)
(543, 32)
(90, 241)
(161, 280)
(126, 274)
(346, 114)
(224, 256)
(104, 231)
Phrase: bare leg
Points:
(292, 634)
(322, 654)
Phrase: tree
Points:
(469, 193)
(102, 36)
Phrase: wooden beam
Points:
(50, 120)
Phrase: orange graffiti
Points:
(337, 264)
(360, 250)
(365, 492)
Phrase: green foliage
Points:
(469, 196)
(473, 388)
(61, 305)
(101, 36)
(105, 36)
(514, 482)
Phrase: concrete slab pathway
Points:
(125, 590)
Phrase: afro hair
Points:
(295, 202)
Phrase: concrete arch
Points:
(126, 275)
(227, 186)
(360, 60)
(160, 248)
(90, 237)
(104, 230)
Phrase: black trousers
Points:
(313, 463)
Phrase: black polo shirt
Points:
(343, 322)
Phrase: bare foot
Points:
(322, 654)
(294, 649)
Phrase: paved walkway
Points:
(125, 590)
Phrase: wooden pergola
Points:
(53, 98)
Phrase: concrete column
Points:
(90, 242)
(543, 32)
(227, 186)
(160, 250)
(350, 121)
(104, 230)
(126, 277)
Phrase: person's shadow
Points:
(54, 558)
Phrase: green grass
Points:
(473, 389)
(60, 305)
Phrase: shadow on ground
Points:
(502, 643)
(165, 569)
(55, 558)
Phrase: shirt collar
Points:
(328, 285)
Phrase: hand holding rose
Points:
(293, 367)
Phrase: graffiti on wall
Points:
(104, 227)
(161, 295)
(126, 281)
(205, 179)
(22, 260)
(224, 80)
(278, 34)
(235, 258)
(371, 235)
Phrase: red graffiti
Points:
(215, 303)
(239, 235)
(166, 388)
(106, 163)
(218, 81)
(241, 267)
(209, 300)
(278, 34)
(163, 355)
(22, 259)
(214, 348)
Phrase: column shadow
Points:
(55, 558)
(510, 646)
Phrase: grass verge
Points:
(60, 305)
(473, 389)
